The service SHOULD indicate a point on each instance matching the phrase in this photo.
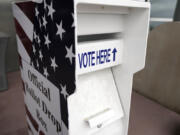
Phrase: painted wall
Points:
(160, 80)
(7, 26)
(162, 9)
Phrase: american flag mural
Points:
(46, 41)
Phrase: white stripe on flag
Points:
(21, 71)
(31, 126)
(22, 51)
(24, 21)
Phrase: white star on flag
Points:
(73, 25)
(51, 11)
(32, 64)
(44, 22)
(35, 35)
(37, 63)
(50, 48)
(60, 30)
(45, 4)
(64, 91)
(45, 72)
(34, 49)
(38, 40)
(70, 54)
(36, 12)
(40, 55)
(47, 41)
(40, 24)
(53, 64)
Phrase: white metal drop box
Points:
(77, 63)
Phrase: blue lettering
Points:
(101, 57)
(85, 60)
(92, 60)
(98, 57)
(108, 55)
(89, 54)
(80, 60)
(114, 54)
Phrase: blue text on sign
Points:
(93, 58)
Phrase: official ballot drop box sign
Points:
(77, 60)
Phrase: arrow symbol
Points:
(114, 54)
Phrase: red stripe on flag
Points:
(20, 61)
(23, 86)
(41, 133)
(33, 121)
(29, 128)
(28, 9)
(23, 37)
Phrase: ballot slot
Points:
(96, 37)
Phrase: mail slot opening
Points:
(99, 37)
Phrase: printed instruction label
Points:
(92, 56)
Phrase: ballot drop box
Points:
(77, 60)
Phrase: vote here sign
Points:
(96, 55)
